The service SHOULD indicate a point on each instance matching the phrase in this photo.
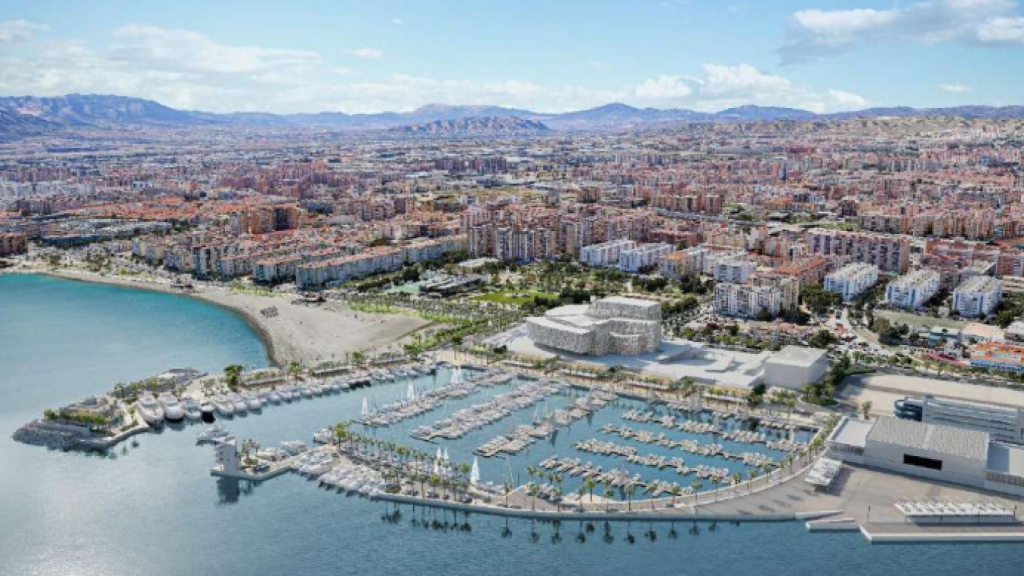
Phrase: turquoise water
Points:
(154, 509)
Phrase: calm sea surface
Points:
(152, 508)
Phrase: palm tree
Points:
(629, 496)
(696, 485)
(676, 491)
(608, 493)
(506, 488)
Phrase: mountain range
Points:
(31, 115)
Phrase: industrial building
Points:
(794, 366)
(1002, 423)
(934, 451)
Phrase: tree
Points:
(818, 300)
(865, 410)
(233, 375)
(821, 339)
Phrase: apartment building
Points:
(889, 253)
(977, 296)
(806, 271)
(605, 254)
(681, 263)
(642, 256)
(748, 300)
(852, 280)
(913, 290)
(735, 270)
(998, 356)
(13, 244)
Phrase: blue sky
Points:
(555, 55)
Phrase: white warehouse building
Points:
(913, 290)
(794, 366)
(977, 296)
(852, 280)
(933, 451)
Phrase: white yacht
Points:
(173, 412)
(224, 406)
(306, 392)
(211, 433)
(274, 396)
(150, 409)
(191, 407)
(285, 392)
(238, 403)
(206, 408)
(253, 402)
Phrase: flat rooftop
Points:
(851, 432)
(969, 444)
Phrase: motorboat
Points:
(317, 389)
(206, 408)
(211, 433)
(238, 403)
(150, 409)
(253, 401)
(285, 392)
(305, 392)
(191, 407)
(224, 406)
(173, 412)
(274, 396)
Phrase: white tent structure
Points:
(474, 474)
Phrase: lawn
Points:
(515, 298)
(919, 321)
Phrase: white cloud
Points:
(955, 88)
(19, 31)
(847, 100)
(189, 70)
(723, 86)
(817, 32)
(192, 51)
(397, 21)
(365, 53)
(664, 87)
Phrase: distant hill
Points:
(30, 115)
(476, 126)
(13, 124)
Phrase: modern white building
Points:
(605, 254)
(794, 366)
(736, 270)
(1001, 423)
(748, 301)
(933, 451)
(913, 290)
(642, 256)
(851, 280)
(615, 325)
(977, 296)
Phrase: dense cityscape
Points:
(317, 314)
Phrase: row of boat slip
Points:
(686, 445)
(698, 427)
(417, 403)
(355, 479)
(542, 427)
(632, 456)
(595, 446)
(497, 408)
(615, 477)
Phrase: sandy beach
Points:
(304, 333)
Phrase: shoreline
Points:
(294, 332)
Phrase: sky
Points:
(543, 55)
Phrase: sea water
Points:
(151, 507)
